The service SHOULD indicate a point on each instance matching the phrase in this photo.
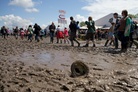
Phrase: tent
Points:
(83, 28)
(103, 23)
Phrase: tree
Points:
(136, 15)
(82, 24)
(133, 16)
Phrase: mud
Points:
(44, 67)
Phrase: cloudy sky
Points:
(24, 12)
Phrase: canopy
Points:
(83, 27)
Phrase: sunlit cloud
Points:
(22, 3)
(27, 4)
(31, 10)
(100, 8)
(12, 21)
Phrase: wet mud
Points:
(44, 67)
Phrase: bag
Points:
(135, 25)
(4, 31)
(135, 35)
(28, 32)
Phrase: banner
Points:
(61, 16)
(62, 21)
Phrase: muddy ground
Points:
(44, 67)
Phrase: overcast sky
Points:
(24, 12)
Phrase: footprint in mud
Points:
(118, 73)
(99, 69)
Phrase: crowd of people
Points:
(122, 29)
(28, 33)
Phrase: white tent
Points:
(83, 27)
(104, 21)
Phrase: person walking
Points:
(132, 30)
(124, 30)
(57, 33)
(16, 31)
(110, 32)
(66, 35)
(22, 33)
(73, 29)
(4, 32)
(116, 29)
(52, 29)
(90, 35)
(30, 33)
(37, 29)
(42, 33)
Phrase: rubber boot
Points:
(87, 45)
(111, 42)
(106, 42)
(94, 45)
(72, 44)
(130, 44)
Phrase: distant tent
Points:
(83, 27)
(103, 23)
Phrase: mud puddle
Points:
(55, 60)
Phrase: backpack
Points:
(39, 28)
(133, 26)
(4, 31)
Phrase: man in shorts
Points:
(91, 32)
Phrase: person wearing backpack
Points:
(4, 32)
(73, 29)
(132, 28)
(37, 31)
(116, 29)
(90, 35)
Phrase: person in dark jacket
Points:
(73, 29)
(116, 29)
(4, 32)
(16, 31)
(132, 29)
(52, 28)
(37, 29)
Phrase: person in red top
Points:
(22, 33)
(59, 34)
(66, 35)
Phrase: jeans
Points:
(124, 40)
(37, 37)
(30, 37)
(16, 35)
(51, 37)
(131, 40)
(4, 35)
(116, 42)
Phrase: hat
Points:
(115, 13)
(112, 20)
